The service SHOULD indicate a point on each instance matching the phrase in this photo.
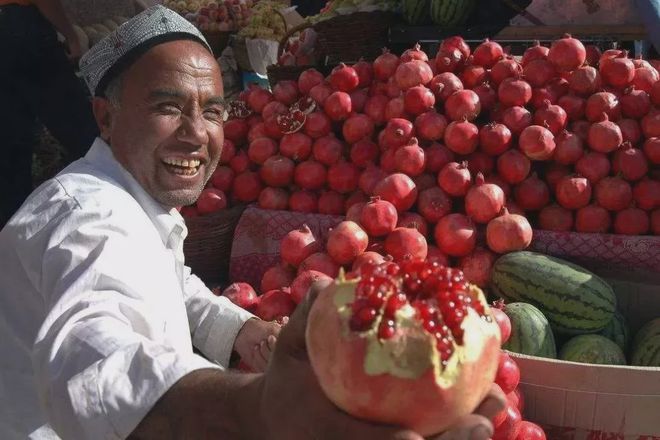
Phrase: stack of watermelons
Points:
(559, 309)
(456, 13)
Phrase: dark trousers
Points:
(37, 81)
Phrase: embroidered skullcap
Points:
(116, 52)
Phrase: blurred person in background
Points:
(37, 81)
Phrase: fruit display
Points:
(574, 300)
(299, 50)
(557, 309)
(478, 138)
(264, 22)
(214, 15)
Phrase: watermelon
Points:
(416, 11)
(617, 331)
(592, 349)
(646, 345)
(451, 13)
(574, 300)
(530, 331)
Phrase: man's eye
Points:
(169, 107)
(219, 114)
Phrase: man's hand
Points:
(256, 341)
(294, 406)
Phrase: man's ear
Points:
(103, 114)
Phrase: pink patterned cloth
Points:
(257, 238)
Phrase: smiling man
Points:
(98, 313)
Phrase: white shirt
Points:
(98, 314)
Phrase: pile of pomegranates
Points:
(564, 138)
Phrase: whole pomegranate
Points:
(508, 233)
(390, 348)
(538, 143)
(593, 219)
(302, 283)
(346, 241)
(406, 243)
(397, 189)
(241, 294)
(298, 245)
(567, 53)
(484, 200)
(378, 217)
(320, 262)
(277, 277)
(573, 192)
(556, 218)
(275, 305)
(477, 266)
(455, 235)
(631, 221)
(613, 193)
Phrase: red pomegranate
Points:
(331, 203)
(539, 72)
(516, 118)
(618, 71)
(514, 92)
(593, 219)
(455, 179)
(513, 166)
(406, 243)
(413, 73)
(508, 233)
(378, 217)
(303, 201)
(247, 186)
(534, 52)
(567, 53)
(275, 305)
(631, 221)
(630, 162)
(346, 241)
(532, 194)
(569, 148)
(397, 189)
(430, 126)
(310, 175)
(494, 138)
(553, 117)
(308, 79)
(354, 334)
(433, 204)
(573, 192)
(462, 137)
(646, 194)
(488, 53)
(298, 245)
(603, 102)
(585, 81)
(444, 85)
(484, 200)
(417, 100)
(594, 166)
(477, 266)
(556, 218)
(301, 284)
(455, 235)
(410, 158)
(574, 106)
(385, 65)
(538, 143)
(273, 198)
(328, 149)
(613, 193)
(414, 221)
(463, 105)
(277, 277)
(241, 294)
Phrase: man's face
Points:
(168, 129)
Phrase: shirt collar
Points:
(168, 221)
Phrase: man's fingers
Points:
(493, 404)
(470, 427)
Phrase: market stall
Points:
(532, 167)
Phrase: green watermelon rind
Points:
(592, 349)
(645, 350)
(451, 13)
(416, 11)
(530, 331)
(617, 331)
(574, 300)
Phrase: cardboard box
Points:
(575, 401)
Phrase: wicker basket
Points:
(278, 73)
(353, 36)
(208, 246)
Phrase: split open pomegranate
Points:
(412, 344)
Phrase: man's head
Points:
(162, 112)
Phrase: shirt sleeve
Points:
(102, 357)
(214, 320)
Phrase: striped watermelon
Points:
(617, 331)
(592, 349)
(574, 300)
(416, 11)
(530, 331)
(451, 13)
(646, 346)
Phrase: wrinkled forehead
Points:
(181, 66)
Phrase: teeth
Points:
(184, 171)
(193, 163)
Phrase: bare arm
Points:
(206, 404)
